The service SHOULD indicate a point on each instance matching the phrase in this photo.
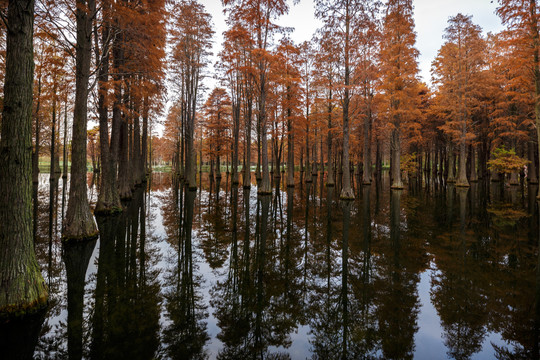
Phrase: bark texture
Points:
(22, 288)
(79, 223)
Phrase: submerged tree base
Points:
(108, 211)
(70, 238)
(30, 294)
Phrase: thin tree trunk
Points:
(108, 198)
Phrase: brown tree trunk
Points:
(290, 150)
(35, 155)
(532, 172)
(395, 147)
(108, 198)
(450, 162)
(366, 178)
(474, 176)
(79, 222)
(247, 167)
(22, 289)
(462, 178)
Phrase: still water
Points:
(431, 273)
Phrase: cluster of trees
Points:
(351, 99)
(342, 103)
(97, 60)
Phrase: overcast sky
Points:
(430, 17)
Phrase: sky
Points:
(430, 16)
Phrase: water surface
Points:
(425, 273)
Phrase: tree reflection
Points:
(457, 290)
(125, 321)
(186, 335)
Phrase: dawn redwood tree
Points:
(521, 17)
(22, 288)
(258, 15)
(108, 198)
(457, 71)
(287, 69)
(79, 222)
(398, 81)
(217, 111)
(346, 22)
(326, 67)
(191, 43)
(512, 121)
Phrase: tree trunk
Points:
(462, 178)
(366, 178)
(290, 149)
(247, 167)
(144, 141)
(108, 198)
(474, 176)
(22, 289)
(395, 147)
(236, 136)
(451, 177)
(35, 155)
(532, 172)
(79, 222)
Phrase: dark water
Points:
(428, 273)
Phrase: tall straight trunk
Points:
(265, 187)
(247, 167)
(79, 222)
(290, 148)
(450, 163)
(53, 136)
(378, 159)
(22, 289)
(236, 137)
(144, 141)
(108, 198)
(64, 146)
(314, 167)
(462, 178)
(366, 178)
(190, 150)
(124, 172)
(137, 169)
(330, 178)
(346, 190)
(35, 155)
(395, 148)
(532, 171)
(308, 167)
(536, 46)
(258, 175)
(474, 176)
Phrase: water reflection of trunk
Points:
(260, 262)
(186, 336)
(19, 337)
(346, 205)
(398, 310)
(76, 256)
(126, 315)
(366, 263)
(460, 285)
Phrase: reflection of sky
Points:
(428, 342)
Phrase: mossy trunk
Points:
(22, 288)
